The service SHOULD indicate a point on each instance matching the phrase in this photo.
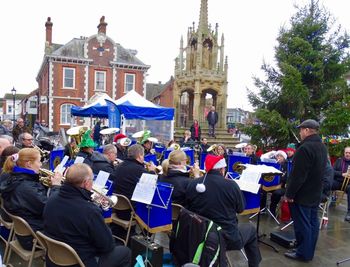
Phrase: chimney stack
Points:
(102, 27)
(48, 26)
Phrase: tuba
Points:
(212, 148)
(76, 133)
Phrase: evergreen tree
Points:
(308, 81)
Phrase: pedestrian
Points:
(304, 190)
(212, 119)
(196, 131)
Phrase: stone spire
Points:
(203, 17)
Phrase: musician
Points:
(122, 147)
(281, 158)
(87, 146)
(126, 176)
(341, 170)
(220, 200)
(69, 148)
(204, 145)
(250, 150)
(186, 140)
(71, 217)
(25, 140)
(175, 173)
(22, 192)
(104, 161)
(128, 173)
(147, 146)
(8, 151)
(290, 150)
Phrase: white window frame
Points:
(67, 113)
(104, 80)
(64, 78)
(126, 83)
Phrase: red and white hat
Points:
(211, 162)
(117, 137)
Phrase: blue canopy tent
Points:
(97, 107)
(133, 112)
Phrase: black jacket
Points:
(121, 153)
(193, 132)
(305, 180)
(221, 201)
(25, 197)
(212, 117)
(341, 166)
(126, 176)
(101, 163)
(180, 181)
(71, 217)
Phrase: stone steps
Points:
(222, 137)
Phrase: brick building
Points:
(72, 73)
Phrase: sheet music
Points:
(145, 188)
(248, 187)
(250, 177)
(101, 180)
(78, 160)
(60, 167)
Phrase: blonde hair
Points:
(175, 158)
(24, 155)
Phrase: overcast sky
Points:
(154, 29)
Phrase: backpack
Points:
(197, 240)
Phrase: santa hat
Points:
(211, 162)
(282, 153)
(117, 137)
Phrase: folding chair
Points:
(175, 209)
(8, 226)
(22, 228)
(324, 206)
(124, 204)
(59, 252)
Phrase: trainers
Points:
(347, 217)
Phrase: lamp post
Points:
(14, 103)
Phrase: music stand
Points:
(155, 198)
(258, 218)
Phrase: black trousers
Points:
(249, 242)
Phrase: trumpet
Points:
(45, 177)
(43, 153)
(213, 148)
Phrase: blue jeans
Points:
(306, 230)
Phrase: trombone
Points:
(345, 183)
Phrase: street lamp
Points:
(14, 103)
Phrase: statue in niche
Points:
(206, 55)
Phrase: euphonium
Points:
(158, 169)
(105, 202)
(76, 133)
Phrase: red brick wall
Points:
(167, 96)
